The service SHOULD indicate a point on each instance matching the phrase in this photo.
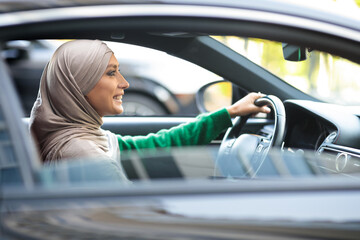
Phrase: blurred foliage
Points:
(322, 75)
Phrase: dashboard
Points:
(331, 131)
(306, 130)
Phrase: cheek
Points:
(107, 90)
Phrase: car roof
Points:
(318, 9)
(262, 13)
(13, 12)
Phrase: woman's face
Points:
(106, 96)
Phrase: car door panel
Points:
(146, 125)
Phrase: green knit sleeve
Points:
(201, 131)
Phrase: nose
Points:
(122, 83)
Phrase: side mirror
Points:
(214, 95)
(294, 53)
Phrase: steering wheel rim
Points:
(237, 160)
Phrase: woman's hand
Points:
(246, 106)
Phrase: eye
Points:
(111, 73)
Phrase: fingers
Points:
(263, 109)
(259, 94)
(246, 106)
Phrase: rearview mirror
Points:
(294, 53)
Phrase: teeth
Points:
(117, 97)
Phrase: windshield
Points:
(324, 76)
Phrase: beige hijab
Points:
(62, 121)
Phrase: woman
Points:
(81, 84)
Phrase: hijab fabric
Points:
(63, 122)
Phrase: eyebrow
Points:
(112, 66)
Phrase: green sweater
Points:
(202, 131)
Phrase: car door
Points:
(71, 200)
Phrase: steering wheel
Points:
(242, 155)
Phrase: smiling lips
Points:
(118, 98)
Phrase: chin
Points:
(114, 111)
(119, 110)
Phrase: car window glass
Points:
(326, 77)
(9, 170)
(192, 164)
(160, 84)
